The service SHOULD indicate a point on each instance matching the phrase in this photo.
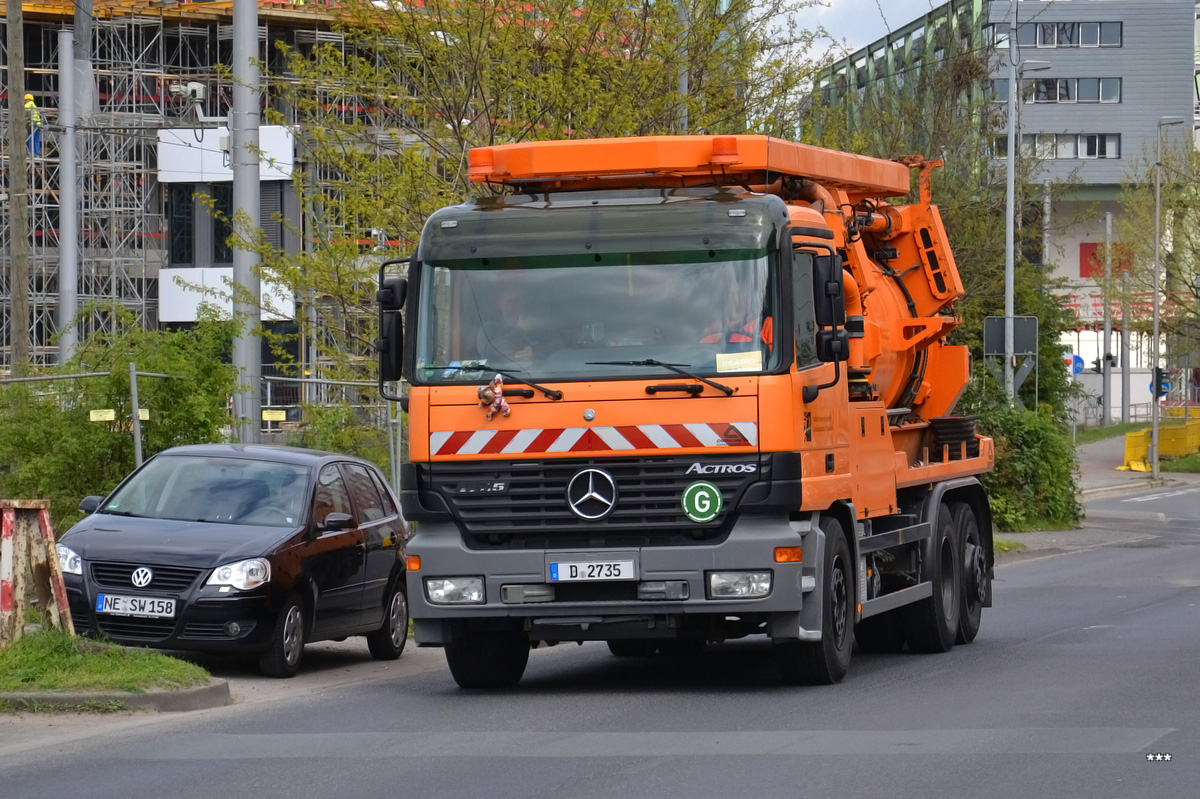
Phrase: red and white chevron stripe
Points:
(594, 439)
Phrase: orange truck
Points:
(671, 391)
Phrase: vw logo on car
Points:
(592, 494)
(141, 577)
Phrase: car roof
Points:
(264, 452)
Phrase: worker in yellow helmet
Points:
(35, 124)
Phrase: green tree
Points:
(50, 448)
(388, 114)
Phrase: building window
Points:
(180, 223)
(1063, 146)
(1066, 145)
(1073, 90)
(1000, 90)
(1110, 34)
(1047, 34)
(1027, 35)
(222, 199)
(1089, 34)
(1100, 145)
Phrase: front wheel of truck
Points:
(488, 659)
(826, 661)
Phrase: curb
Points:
(1125, 488)
(215, 694)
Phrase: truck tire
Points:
(974, 573)
(826, 661)
(880, 635)
(931, 625)
(488, 660)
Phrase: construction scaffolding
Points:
(141, 53)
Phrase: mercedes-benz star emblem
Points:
(592, 494)
(141, 577)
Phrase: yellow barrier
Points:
(1174, 440)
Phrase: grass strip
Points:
(51, 660)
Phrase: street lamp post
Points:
(1011, 191)
(1162, 123)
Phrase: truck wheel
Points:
(880, 635)
(826, 661)
(488, 660)
(974, 573)
(387, 643)
(681, 647)
(931, 625)
(631, 647)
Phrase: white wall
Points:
(180, 292)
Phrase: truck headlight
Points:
(244, 575)
(68, 560)
(454, 590)
(738, 585)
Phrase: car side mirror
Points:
(337, 521)
(90, 503)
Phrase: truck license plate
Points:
(591, 570)
(150, 607)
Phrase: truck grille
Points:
(531, 510)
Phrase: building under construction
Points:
(151, 162)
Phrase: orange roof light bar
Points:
(684, 155)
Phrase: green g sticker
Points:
(702, 501)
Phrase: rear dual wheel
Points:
(974, 572)
(931, 625)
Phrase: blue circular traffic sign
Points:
(1077, 365)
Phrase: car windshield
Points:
(211, 489)
(599, 316)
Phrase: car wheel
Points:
(488, 660)
(387, 643)
(283, 657)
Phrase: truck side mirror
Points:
(829, 292)
(393, 291)
(833, 345)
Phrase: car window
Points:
(331, 496)
(366, 496)
(213, 489)
(389, 507)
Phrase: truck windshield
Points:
(546, 317)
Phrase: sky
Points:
(861, 22)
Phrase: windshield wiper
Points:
(121, 513)
(476, 366)
(670, 367)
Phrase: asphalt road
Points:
(1081, 682)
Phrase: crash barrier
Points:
(27, 553)
(1174, 441)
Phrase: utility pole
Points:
(243, 131)
(18, 192)
(1105, 352)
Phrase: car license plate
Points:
(151, 607)
(591, 570)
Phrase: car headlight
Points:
(454, 590)
(243, 575)
(69, 561)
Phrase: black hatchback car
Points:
(242, 548)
